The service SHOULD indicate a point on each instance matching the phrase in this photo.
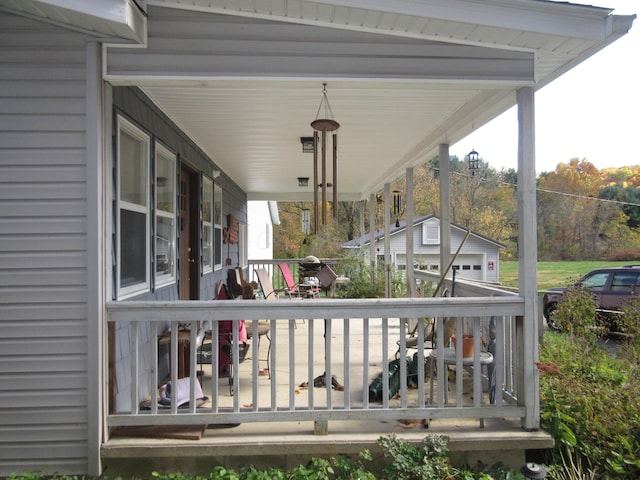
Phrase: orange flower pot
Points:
(467, 345)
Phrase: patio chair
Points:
(225, 341)
(297, 290)
(264, 326)
(268, 292)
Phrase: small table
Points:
(449, 357)
(184, 350)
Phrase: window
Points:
(431, 234)
(207, 225)
(217, 226)
(595, 281)
(623, 281)
(132, 267)
(165, 231)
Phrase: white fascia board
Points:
(561, 18)
(113, 19)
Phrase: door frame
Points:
(189, 233)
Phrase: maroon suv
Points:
(611, 286)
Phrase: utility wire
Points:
(574, 195)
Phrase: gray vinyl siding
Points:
(133, 104)
(43, 266)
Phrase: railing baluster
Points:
(385, 363)
(421, 361)
(365, 363)
(346, 362)
(403, 363)
(310, 340)
(135, 370)
(327, 361)
(374, 331)
(292, 364)
(175, 332)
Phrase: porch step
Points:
(290, 444)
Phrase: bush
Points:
(589, 403)
(576, 315)
(359, 273)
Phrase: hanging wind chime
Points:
(321, 125)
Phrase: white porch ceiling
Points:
(244, 78)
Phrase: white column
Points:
(362, 232)
(372, 237)
(409, 202)
(445, 212)
(387, 242)
(527, 327)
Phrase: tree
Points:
(569, 221)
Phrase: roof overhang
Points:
(244, 79)
(115, 20)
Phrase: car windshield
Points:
(595, 280)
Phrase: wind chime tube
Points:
(315, 182)
(324, 177)
(335, 175)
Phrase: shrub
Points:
(576, 315)
(590, 407)
(359, 273)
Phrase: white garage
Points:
(477, 259)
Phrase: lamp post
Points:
(474, 161)
(533, 471)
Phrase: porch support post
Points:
(387, 241)
(445, 212)
(372, 238)
(527, 326)
(411, 282)
(362, 232)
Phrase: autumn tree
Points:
(569, 217)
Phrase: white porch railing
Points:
(352, 339)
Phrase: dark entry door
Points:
(189, 245)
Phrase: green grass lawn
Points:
(553, 274)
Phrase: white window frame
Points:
(123, 125)
(431, 233)
(217, 226)
(207, 225)
(169, 215)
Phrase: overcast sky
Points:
(592, 112)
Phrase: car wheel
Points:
(549, 313)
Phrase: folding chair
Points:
(299, 290)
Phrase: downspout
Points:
(273, 212)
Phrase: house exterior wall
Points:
(49, 423)
(260, 234)
(136, 107)
(43, 243)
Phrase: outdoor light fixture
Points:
(303, 181)
(533, 471)
(307, 144)
(321, 125)
(474, 161)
